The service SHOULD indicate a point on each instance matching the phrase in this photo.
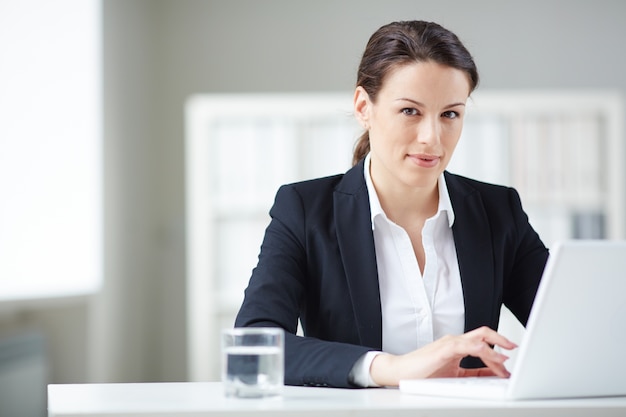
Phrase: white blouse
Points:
(416, 309)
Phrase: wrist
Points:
(382, 370)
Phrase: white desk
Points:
(206, 399)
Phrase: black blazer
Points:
(318, 263)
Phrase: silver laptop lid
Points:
(576, 335)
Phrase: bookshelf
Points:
(563, 151)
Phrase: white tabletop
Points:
(206, 399)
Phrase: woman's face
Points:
(414, 124)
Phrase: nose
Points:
(429, 131)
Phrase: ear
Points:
(362, 106)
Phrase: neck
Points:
(402, 204)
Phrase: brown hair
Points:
(400, 43)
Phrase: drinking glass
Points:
(253, 361)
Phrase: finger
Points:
(495, 362)
(492, 337)
(492, 359)
(469, 372)
(498, 369)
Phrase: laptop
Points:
(575, 340)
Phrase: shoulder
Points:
(465, 185)
(462, 187)
(495, 199)
(324, 188)
(309, 193)
(317, 200)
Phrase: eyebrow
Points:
(422, 104)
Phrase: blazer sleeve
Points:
(501, 257)
(527, 259)
(277, 295)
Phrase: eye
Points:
(450, 114)
(409, 111)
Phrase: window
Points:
(50, 149)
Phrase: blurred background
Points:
(129, 322)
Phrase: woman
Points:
(397, 269)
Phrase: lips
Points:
(424, 160)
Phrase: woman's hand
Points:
(442, 358)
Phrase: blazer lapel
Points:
(356, 243)
(474, 251)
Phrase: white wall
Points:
(157, 52)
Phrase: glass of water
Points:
(253, 361)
